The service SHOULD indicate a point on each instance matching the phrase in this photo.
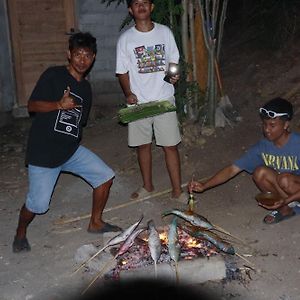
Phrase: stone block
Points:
(194, 271)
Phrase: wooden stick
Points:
(66, 221)
(88, 260)
(100, 273)
(246, 260)
(218, 228)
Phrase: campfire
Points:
(185, 244)
(138, 255)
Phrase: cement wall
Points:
(104, 23)
(7, 82)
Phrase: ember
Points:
(138, 255)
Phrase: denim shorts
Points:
(83, 163)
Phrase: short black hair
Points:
(129, 2)
(83, 40)
(279, 105)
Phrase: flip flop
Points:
(141, 193)
(295, 205)
(20, 245)
(296, 209)
(277, 217)
(106, 228)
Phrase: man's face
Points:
(141, 9)
(275, 129)
(81, 59)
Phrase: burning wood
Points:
(176, 244)
(139, 255)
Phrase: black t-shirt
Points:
(55, 136)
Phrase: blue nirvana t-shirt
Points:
(284, 159)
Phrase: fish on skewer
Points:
(121, 237)
(194, 218)
(129, 241)
(173, 244)
(154, 244)
(123, 248)
(198, 221)
(211, 237)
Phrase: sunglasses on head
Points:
(271, 114)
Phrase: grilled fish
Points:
(124, 234)
(194, 218)
(121, 237)
(154, 241)
(211, 237)
(173, 244)
(129, 241)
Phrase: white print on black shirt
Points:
(151, 58)
(67, 121)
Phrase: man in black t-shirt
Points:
(60, 104)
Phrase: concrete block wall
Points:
(104, 23)
(7, 86)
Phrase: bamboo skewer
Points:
(246, 260)
(60, 222)
(108, 264)
(87, 261)
(177, 272)
(218, 228)
(86, 216)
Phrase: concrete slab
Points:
(194, 271)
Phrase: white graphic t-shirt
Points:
(146, 56)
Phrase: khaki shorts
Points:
(165, 128)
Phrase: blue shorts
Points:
(83, 163)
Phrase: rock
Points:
(85, 252)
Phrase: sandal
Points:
(296, 209)
(275, 217)
(20, 245)
(140, 193)
(106, 228)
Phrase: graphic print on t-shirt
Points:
(67, 121)
(150, 58)
(281, 162)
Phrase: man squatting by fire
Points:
(60, 102)
(274, 163)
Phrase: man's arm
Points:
(220, 177)
(125, 85)
(66, 102)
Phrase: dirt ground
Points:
(272, 251)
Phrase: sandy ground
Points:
(272, 251)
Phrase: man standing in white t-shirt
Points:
(144, 53)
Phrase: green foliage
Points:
(149, 109)
(187, 93)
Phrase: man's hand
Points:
(174, 79)
(131, 99)
(67, 101)
(195, 186)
